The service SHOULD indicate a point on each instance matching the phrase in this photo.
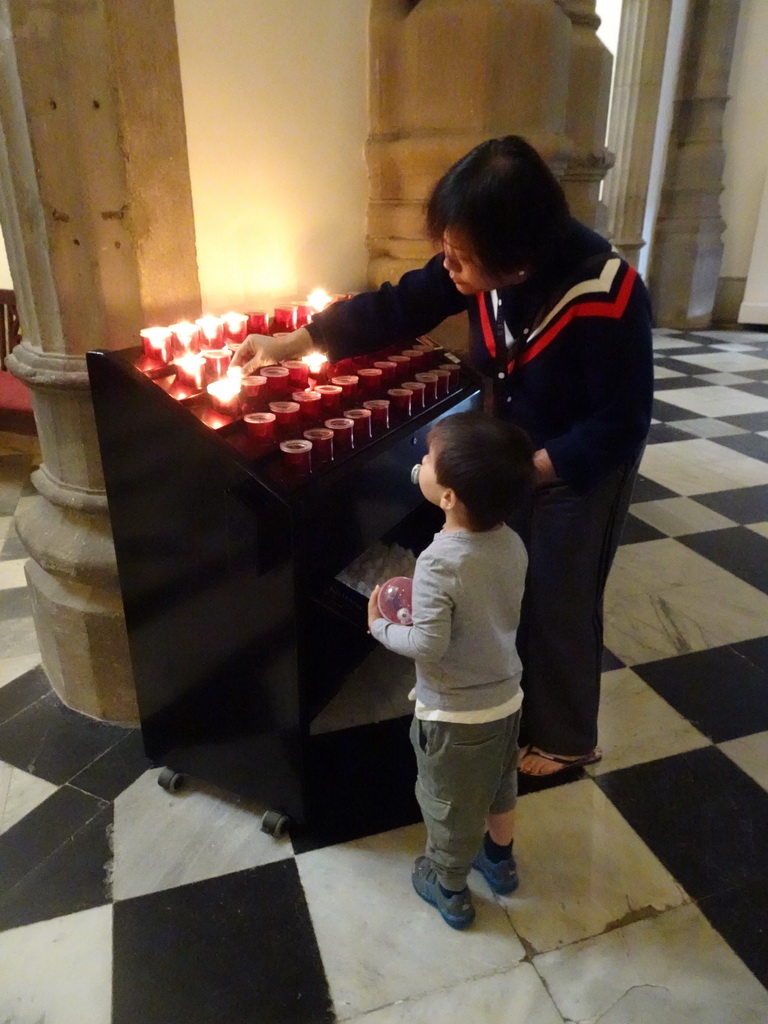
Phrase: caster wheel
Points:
(170, 780)
(275, 824)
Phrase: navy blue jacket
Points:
(575, 365)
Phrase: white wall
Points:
(5, 273)
(745, 137)
(276, 107)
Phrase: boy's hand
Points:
(373, 606)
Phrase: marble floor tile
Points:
(761, 528)
(677, 516)
(715, 400)
(644, 622)
(737, 336)
(582, 868)
(12, 574)
(671, 344)
(673, 969)
(163, 840)
(706, 427)
(12, 668)
(635, 724)
(737, 549)
(730, 361)
(59, 971)
(701, 465)
(19, 794)
(515, 997)
(663, 372)
(379, 941)
(20, 639)
(750, 753)
(721, 378)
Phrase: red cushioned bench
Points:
(15, 401)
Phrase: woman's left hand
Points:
(373, 606)
(545, 471)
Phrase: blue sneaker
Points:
(501, 877)
(457, 911)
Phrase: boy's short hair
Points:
(487, 462)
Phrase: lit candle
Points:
(216, 362)
(252, 391)
(190, 370)
(186, 337)
(298, 372)
(235, 326)
(258, 322)
(318, 299)
(156, 342)
(213, 331)
(315, 361)
(225, 396)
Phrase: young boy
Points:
(467, 590)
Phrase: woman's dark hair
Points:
(503, 200)
(487, 462)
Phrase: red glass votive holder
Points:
(216, 362)
(284, 320)
(278, 381)
(379, 408)
(427, 355)
(343, 431)
(225, 396)
(252, 391)
(452, 369)
(287, 416)
(330, 398)
(416, 357)
(348, 384)
(322, 442)
(298, 372)
(443, 382)
(371, 378)
(417, 388)
(190, 370)
(304, 313)
(429, 380)
(157, 343)
(211, 331)
(260, 426)
(186, 338)
(309, 405)
(388, 372)
(402, 366)
(235, 327)
(297, 455)
(401, 399)
(361, 423)
(258, 322)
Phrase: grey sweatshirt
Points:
(467, 590)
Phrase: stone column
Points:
(445, 75)
(97, 214)
(687, 253)
(589, 92)
(636, 89)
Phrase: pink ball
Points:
(395, 599)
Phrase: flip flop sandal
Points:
(565, 762)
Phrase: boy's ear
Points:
(448, 499)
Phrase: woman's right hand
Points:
(264, 350)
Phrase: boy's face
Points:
(430, 488)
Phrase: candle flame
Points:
(184, 331)
(318, 299)
(314, 361)
(234, 320)
(209, 326)
(235, 373)
(156, 336)
(225, 389)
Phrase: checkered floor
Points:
(644, 887)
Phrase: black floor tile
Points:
(736, 915)
(662, 432)
(635, 531)
(360, 783)
(739, 550)
(76, 876)
(116, 769)
(50, 740)
(43, 831)
(748, 420)
(699, 814)
(743, 505)
(675, 383)
(15, 603)
(666, 411)
(14, 473)
(755, 651)
(225, 951)
(610, 661)
(12, 548)
(21, 692)
(755, 375)
(649, 490)
(759, 388)
(719, 691)
(748, 444)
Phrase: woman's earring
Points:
(521, 274)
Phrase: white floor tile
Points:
(722, 378)
(726, 362)
(707, 427)
(714, 400)
(582, 867)
(761, 528)
(379, 941)
(673, 969)
(516, 997)
(663, 373)
(671, 344)
(700, 466)
(636, 725)
(19, 639)
(12, 573)
(12, 668)
(750, 753)
(59, 971)
(678, 516)
(162, 840)
(20, 793)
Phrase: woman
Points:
(561, 326)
